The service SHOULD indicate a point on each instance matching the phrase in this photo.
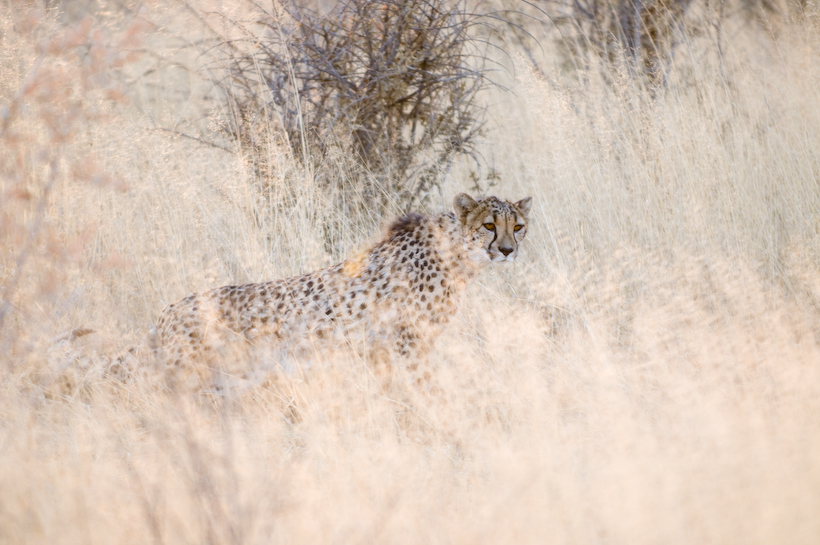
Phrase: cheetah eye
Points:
(489, 226)
(517, 228)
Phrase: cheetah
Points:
(392, 299)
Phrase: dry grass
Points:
(648, 373)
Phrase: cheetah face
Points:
(492, 228)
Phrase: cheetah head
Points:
(492, 228)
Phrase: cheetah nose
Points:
(506, 251)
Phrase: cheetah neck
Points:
(454, 250)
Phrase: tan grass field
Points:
(647, 372)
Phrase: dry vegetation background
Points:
(648, 372)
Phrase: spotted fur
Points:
(393, 299)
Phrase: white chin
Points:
(502, 259)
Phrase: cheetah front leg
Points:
(412, 357)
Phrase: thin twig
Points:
(200, 140)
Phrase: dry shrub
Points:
(642, 37)
(394, 83)
(645, 32)
(65, 83)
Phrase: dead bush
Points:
(58, 78)
(643, 36)
(395, 83)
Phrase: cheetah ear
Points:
(463, 203)
(524, 205)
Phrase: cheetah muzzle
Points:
(393, 299)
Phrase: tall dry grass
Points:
(649, 372)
